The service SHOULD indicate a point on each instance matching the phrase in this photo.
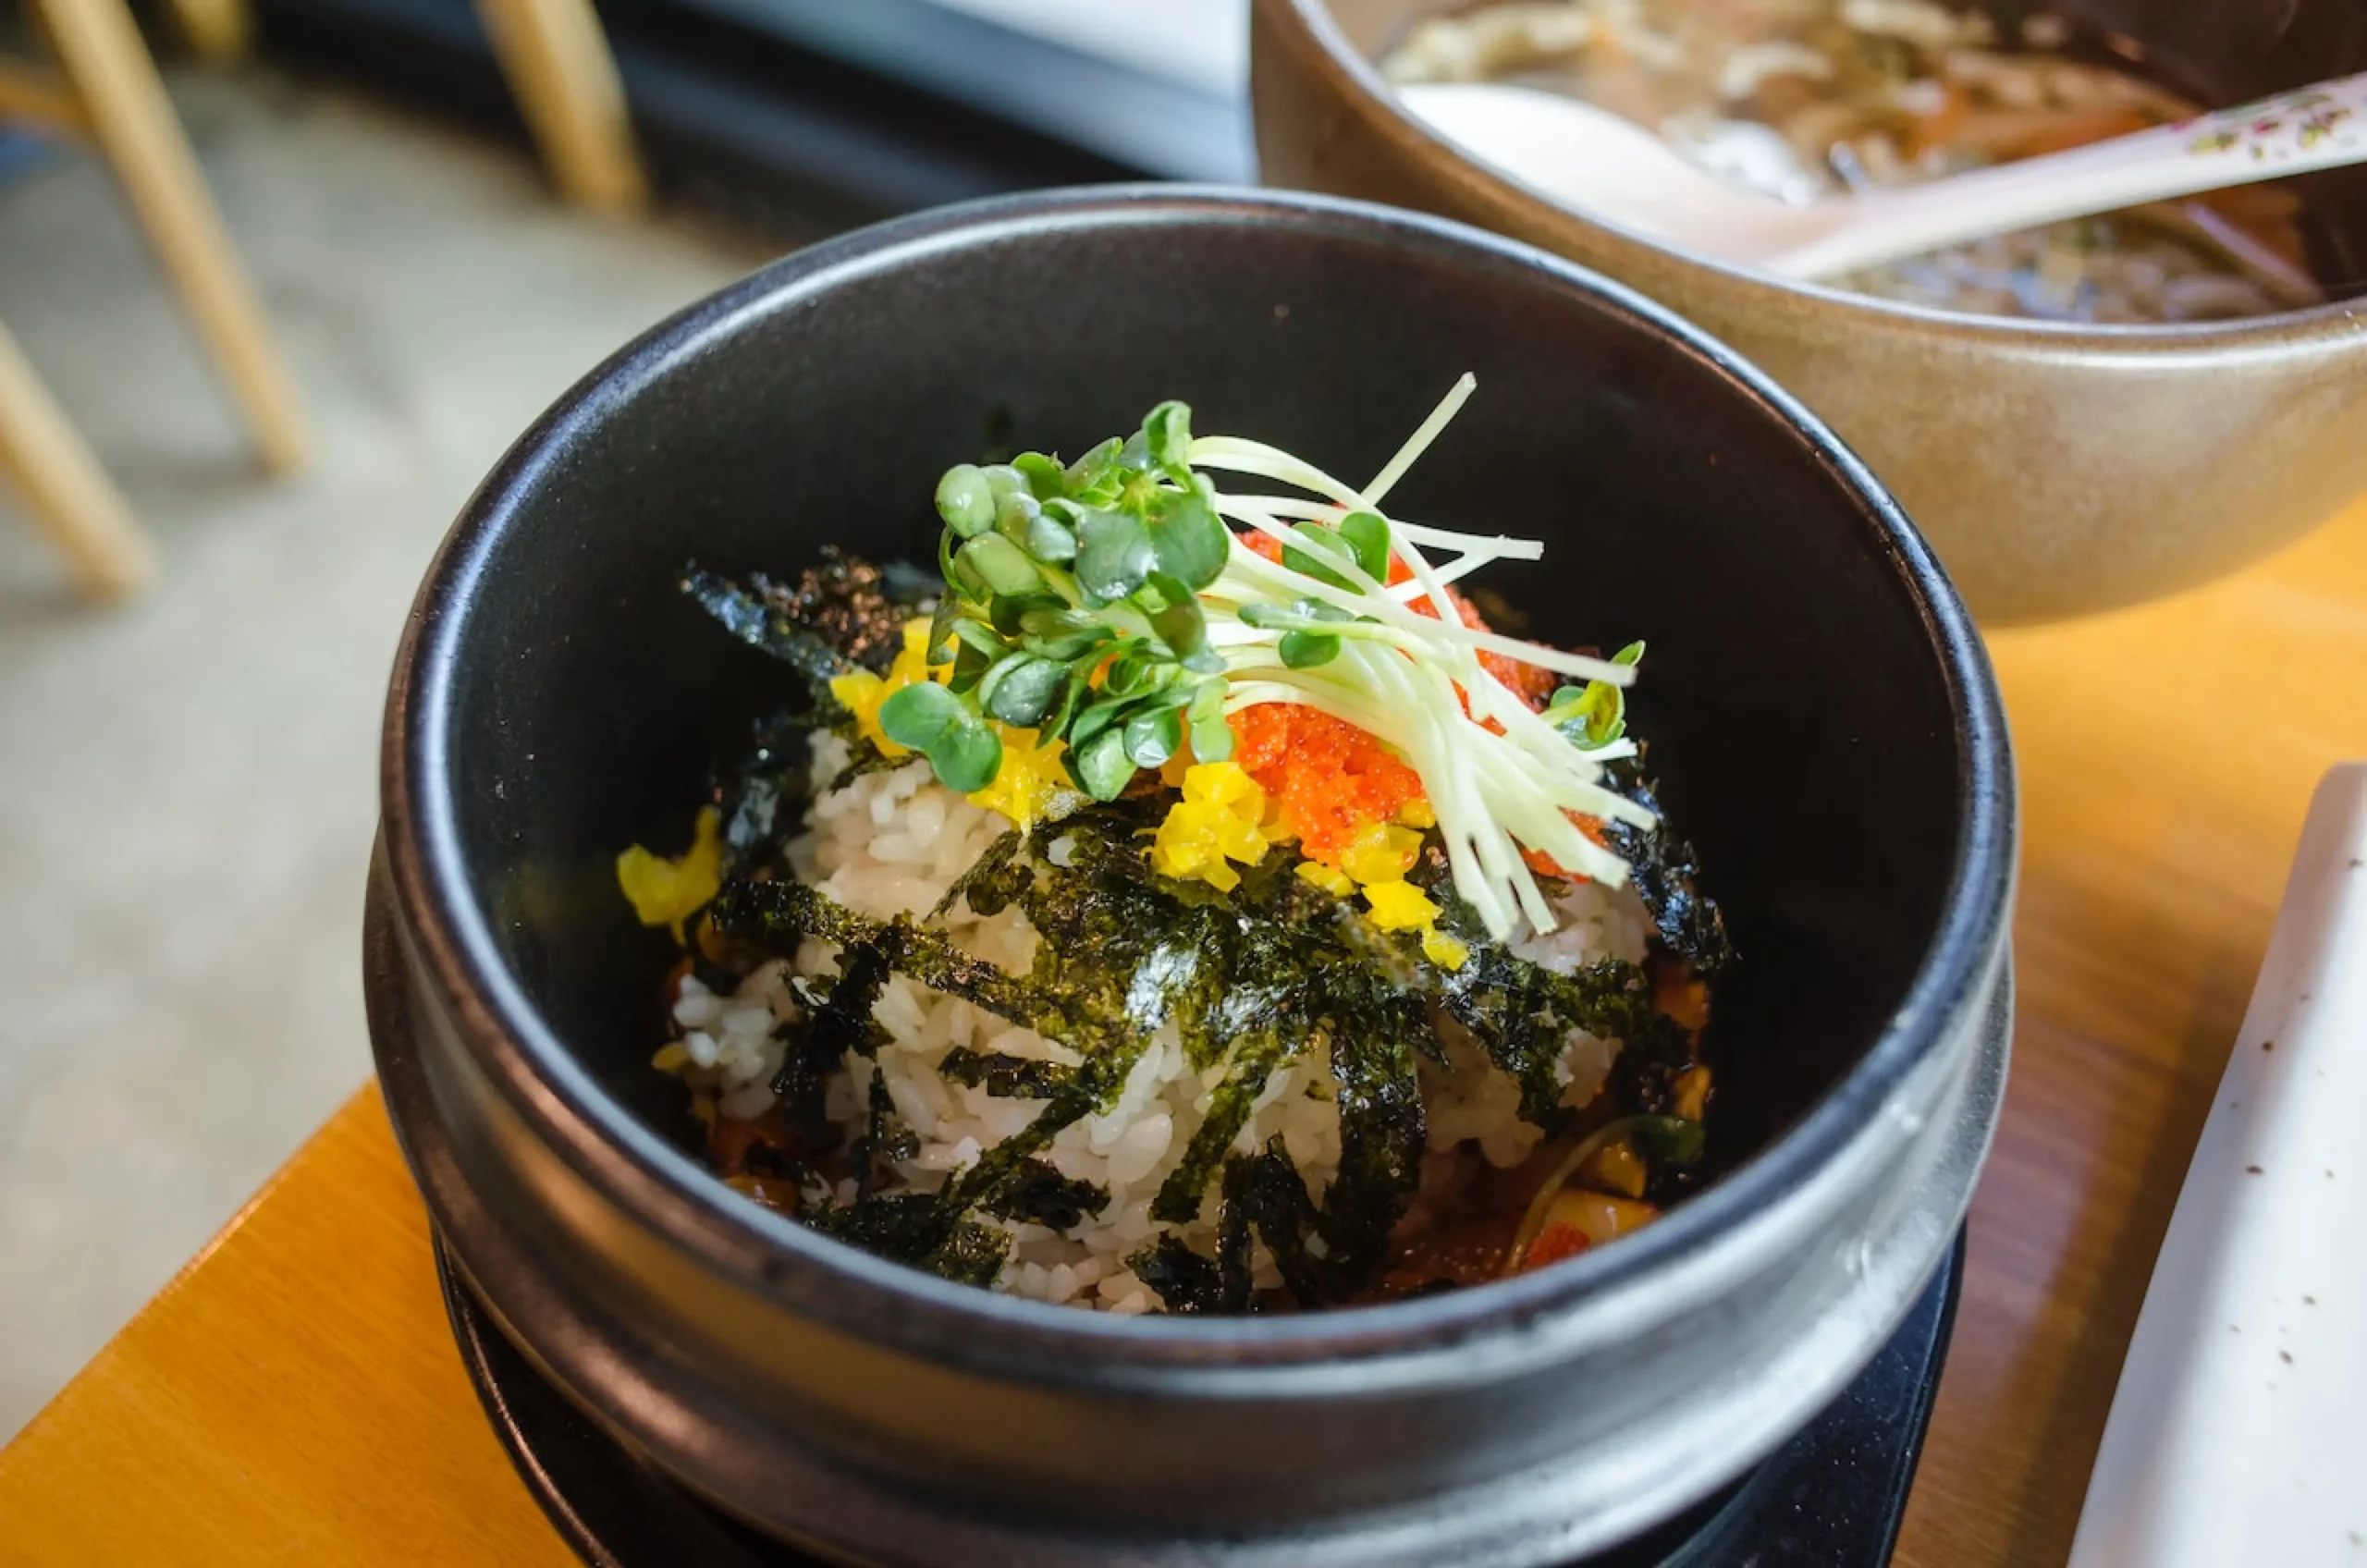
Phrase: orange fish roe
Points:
(1329, 778)
(1529, 683)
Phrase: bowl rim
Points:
(1378, 104)
(539, 1078)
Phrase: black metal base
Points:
(1831, 1497)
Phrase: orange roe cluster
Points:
(1328, 778)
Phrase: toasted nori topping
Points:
(1041, 1195)
(1007, 1077)
(763, 799)
(994, 879)
(910, 1228)
(885, 1139)
(840, 614)
(1666, 874)
(1382, 1126)
(1252, 981)
(1183, 1280)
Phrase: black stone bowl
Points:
(1820, 711)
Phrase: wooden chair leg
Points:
(220, 30)
(130, 118)
(67, 491)
(557, 63)
(29, 94)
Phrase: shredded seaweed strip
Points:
(992, 881)
(1382, 1127)
(909, 1227)
(1005, 1077)
(1040, 1194)
(750, 614)
(1255, 1058)
(1666, 871)
(762, 799)
(1184, 1281)
(1521, 1015)
(1272, 1196)
(885, 1140)
(837, 616)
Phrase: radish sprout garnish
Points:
(1105, 604)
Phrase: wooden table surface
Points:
(295, 1394)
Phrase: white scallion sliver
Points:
(1499, 777)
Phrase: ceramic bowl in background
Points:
(2057, 469)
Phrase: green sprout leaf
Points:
(965, 500)
(1292, 616)
(1318, 568)
(968, 758)
(1005, 612)
(1366, 536)
(971, 632)
(1097, 717)
(1305, 650)
(1102, 766)
(1055, 724)
(928, 718)
(1191, 542)
(1014, 514)
(1167, 437)
(1594, 715)
(1029, 688)
(1048, 539)
(1085, 648)
(1095, 476)
(999, 564)
(1138, 671)
(975, 648)
(1211, 736)
(1045, 476)
(1064, 621)
(1184, 627)
(959, 578)
(940, 629)
(1114, 556)
(1152, 738)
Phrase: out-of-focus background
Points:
(188, 778)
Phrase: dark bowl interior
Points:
(1798, 699)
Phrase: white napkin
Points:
(2238, 1433)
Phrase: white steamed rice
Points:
(892, 843)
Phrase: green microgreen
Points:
(1074, 609)
(965, 500)
(1594, 715)
(936, 722)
